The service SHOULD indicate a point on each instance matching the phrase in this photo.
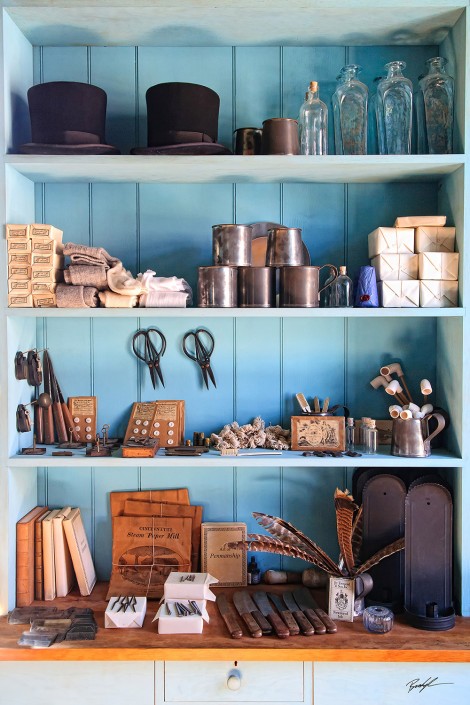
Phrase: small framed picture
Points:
(318, 433)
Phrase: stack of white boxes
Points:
(415, 263)
(35, 265)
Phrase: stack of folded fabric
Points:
(164, 292)
(94, 277)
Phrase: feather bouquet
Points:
(286, 540)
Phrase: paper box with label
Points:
(439, 265)
(414, 221)
(114, 619)
(341, 599)
(172, 619)
(38, 232)
(399, 294)
(434, 239)
(385, 241)
(16, 232)
(189, 586)
(393, 267)
(438, 294)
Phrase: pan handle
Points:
(335, 271)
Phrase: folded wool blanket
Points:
(87, 275)
(109, 299)
(69, 296)
(85, 254)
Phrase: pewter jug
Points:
(411, 437)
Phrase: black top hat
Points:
(67, 118)
(182, 118)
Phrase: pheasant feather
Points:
(389, 550)
(356, 540)
(345, 509)
(289, 534)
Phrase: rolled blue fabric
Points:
(366, 289)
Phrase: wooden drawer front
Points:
(260, 682)
(392, 683)
(76, 683)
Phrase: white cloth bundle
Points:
(164, 292)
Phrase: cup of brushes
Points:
(411, 435)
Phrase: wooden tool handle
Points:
(59, 422)
(69, 422)
(306, 627)
(292, 625)
(263, 622)
(278, 625)
(232, 625)
(330, 625)
(48, 421)
(315, 620)
(252, 624)
(38, 423)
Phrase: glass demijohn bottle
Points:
(350, 112)
(374, 140)
(342, 291)
(313, 123)
(394, 109)
(437, 89)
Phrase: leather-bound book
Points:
(48, 555)
(25, 557)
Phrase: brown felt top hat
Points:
(67, 118)
(182, 118)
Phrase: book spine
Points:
(80, 552)
(48, 561)
(24, 564)
(38, 563)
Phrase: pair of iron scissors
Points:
(202, 352)
(147, 351)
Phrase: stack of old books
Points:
(52, 552)
(415, 263)
(155, 532)
(35, 265)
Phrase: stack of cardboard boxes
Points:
(415, 263)
(35, 265)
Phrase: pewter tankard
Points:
(411, 437)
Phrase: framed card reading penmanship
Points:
(318, 433)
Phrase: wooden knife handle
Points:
(69, 422)
(306, 627)
(278, 625)
(232, 625)
(59, 422)
(48, 420)
(263, 622)
(252, 624)
(292, 625)
(315, 620)
(38, 423)
(330, 625)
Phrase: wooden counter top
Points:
(351, 643)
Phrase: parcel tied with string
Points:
(145, 550)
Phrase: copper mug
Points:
(300, 286)
(411, 437)
(280, 136)
(248, 140)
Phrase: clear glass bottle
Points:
(350, 112)
(373, 146)
(313, 123)
(327, 291)
(437, 89)
(362, 432)
(370, 438)
(342, 291)
(350, 434)
(394, 109)
(419, 121)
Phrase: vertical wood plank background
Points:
(259, 363)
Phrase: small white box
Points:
(16, 232)
(439, 265)
(393, 267)
(20, 300)
(20, 286)
(438, 294)
(19, 257)
(396, 241)
(169, 622)
(47, 260)
(414, 221)
(42, 233)
(177, 586)
(19, 245)
(399, 294)
(44, 247)
(128, 619)
(434, 239)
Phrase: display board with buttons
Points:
(84, 411)
(158, 420)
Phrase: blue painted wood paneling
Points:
(115, 221)
(67, 206)
(65, 64)
(257, 89)
(73, 487)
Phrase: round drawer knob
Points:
(234, 682)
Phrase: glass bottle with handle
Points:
(394, 109)
(313, 123)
